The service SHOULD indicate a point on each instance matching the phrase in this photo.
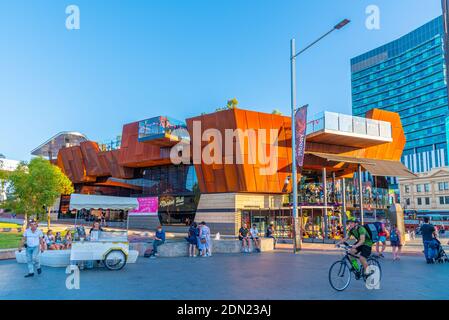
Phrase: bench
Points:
(180, 248)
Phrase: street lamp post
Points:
(293, 55)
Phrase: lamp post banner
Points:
(300, 127)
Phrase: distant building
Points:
(407, 76)
(429, 191)
(6, 165)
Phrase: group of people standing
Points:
(199, 238)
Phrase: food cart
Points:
(108, 247)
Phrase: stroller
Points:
(440, 255)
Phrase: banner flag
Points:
(300, 126)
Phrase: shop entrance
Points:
(280, 218)
(321, 224)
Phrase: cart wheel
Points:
(115, 260)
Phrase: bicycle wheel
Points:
(339, 275)
(115, 260)
(374, 262)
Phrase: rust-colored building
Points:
(237, 165)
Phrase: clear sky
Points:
(133, 59)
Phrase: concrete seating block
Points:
(21, 256)
(226, 246)
(140, 247)
(55, 258)
(173, 249)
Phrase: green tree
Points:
(232, 103)
(36, 186)
(277, 112)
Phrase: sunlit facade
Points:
(407, 76)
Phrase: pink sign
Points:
(147, 206)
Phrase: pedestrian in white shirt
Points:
(33, 238)
(255, 237)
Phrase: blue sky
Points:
(134, 59)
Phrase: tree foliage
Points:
(36, 185)
(230, 104)
(277, 112)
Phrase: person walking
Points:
(382, 231)
(33, 240)
(395, 240)
(428, 233)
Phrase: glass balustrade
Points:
(349, 124)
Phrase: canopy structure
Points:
(377, 167)
(64, 139)
(85, 201)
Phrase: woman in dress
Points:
(204, 240)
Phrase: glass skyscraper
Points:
(408, 76)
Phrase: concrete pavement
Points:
(258, 276)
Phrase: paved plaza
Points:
(258, 276)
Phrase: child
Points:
(50, 241)
(58, 241)
(68, 240)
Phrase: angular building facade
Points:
(408, 76)
(229, 192)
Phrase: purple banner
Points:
(147, 207)
(300, 126)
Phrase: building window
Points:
(407, 201)
(441, 200)
(418, 188)
(443, 186)
(419, 201)
(427, 201)
(407, 189)
(427, 187)
(446, 200)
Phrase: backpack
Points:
(378, 226)
(394, 236)
(148, 253)
(372, 231)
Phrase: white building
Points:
(428, 192)
(6, 165)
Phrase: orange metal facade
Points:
(86, 163)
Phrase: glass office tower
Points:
(408, 76)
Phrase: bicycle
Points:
(347, 266)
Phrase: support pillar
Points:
(362, 219)
(343, 205)
(326, 222)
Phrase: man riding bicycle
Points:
(362, 246)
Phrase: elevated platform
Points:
(344, 130)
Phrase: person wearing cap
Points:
(33, 240)
(364, 244)
(159, 239)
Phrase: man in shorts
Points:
(244, 237)
(254, 232)
(363, 245)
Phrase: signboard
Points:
(147, 207)
(300, 126)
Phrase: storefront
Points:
(281, 219)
